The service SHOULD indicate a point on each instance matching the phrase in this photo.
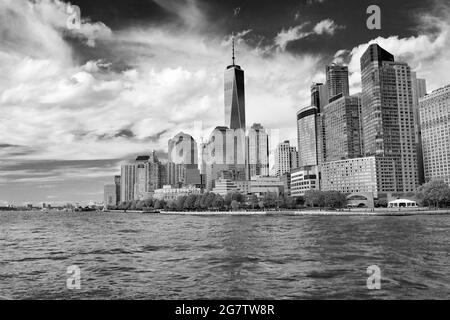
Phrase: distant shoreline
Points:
(377, 212)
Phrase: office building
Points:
(337, 81)
(182, 169)
(224, 155)
(360, 175)
(148, 177)
(342, 128)
(234, 96)
(117, 184)
(183, 150)
(304, 179)
(168, 193)
(258, 151)
(388, 115)
(435, 123)
(224, 187)
(309, 136)
(319, 95)
(419, 90)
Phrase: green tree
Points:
(434, 193)
(210, 199)
(334, 199)
(270, 199)
(160, 204)
(189, 203)
(235, 205)
(180, 203)
(253, 201)
(218, 202)
(314, 198)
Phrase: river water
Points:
(137, 256)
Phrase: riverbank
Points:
(344, 212)
(316, 213)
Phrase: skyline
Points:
(43, 148)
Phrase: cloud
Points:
(56, 108)
(427, 53)
(324, 27)
(292, 34)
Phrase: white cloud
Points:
(324, 27)
(291, 34)
(58, 109)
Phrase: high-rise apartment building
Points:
(435, 124)
(148, 177)
(234, 96)
(419, 89)
(388, 115)
(286, 158)
(258, 151)
(127, 182)
(341, 119)
(337, 81)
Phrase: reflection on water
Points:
(133, 256)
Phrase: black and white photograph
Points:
(224, 150)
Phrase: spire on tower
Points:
(234, 59)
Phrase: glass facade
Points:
(234, 98)
(258, 151)
(342, 128)
(337, 80)
(307, 135)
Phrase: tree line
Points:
(432, 194)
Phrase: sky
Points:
(76, 103)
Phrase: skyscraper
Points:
(419, 89)
(388, 115)
(319, 95)
(337, 81)
(435, 124)
(147, 175)
(342, 128)
(183, 150)
(127, 182)
(286, 158)
(117, 183)
(309, 136)
(258, 151)
(224, 155)
(234, 96)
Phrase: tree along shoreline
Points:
(432, 194)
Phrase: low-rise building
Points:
(167, 193)
(304, 179)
